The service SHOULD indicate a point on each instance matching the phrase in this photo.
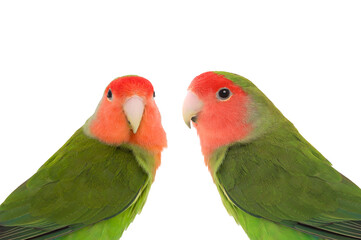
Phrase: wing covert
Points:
(292, 184)
(83, 183)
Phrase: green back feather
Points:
(86, 182)
(277, 179)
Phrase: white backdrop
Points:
(57, 58)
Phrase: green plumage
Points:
(277, 186)
(89, 189)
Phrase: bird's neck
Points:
(228, 133)
(150, 134)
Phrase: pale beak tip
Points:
(191, 107)
(134, 130)
(133, 109)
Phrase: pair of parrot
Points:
(271, 180)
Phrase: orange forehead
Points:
(211, 82)
(130, 85)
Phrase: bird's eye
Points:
(110, 95)
(153, 94)
(224, 94)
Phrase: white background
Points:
(57, 58)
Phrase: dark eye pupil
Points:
(154, 94)
(223, 93)
(110, 94)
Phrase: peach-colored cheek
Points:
(150, 133)
(110, 124)
(221, 123)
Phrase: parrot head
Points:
(127, 113)
(226, 108)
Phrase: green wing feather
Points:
(84, 183)
(280, 177)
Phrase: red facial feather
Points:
(219, 122)
(109, 123)
(128, 86)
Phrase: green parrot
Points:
(271, 180)
(94, 185)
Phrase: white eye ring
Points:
(224, 94)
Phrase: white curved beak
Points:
(133, 109)
(191, 107)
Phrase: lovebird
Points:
(94, 185)
(274, 183)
